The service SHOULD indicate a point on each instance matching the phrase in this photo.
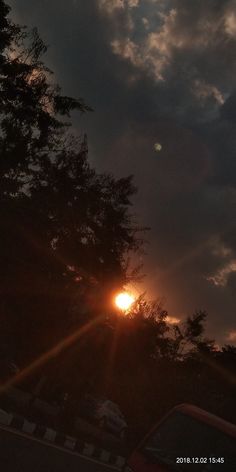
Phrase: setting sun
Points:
(124, 301)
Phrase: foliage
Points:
(66, 231)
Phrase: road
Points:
(20, 453)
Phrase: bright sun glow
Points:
(124, 301)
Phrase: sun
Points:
(124, 300)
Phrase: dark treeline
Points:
(65, 229)
(66, 236)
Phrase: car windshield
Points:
(183, 436)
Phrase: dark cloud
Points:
(160, 71)
(228, 110)
(231, 283)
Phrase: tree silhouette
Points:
(66, 231)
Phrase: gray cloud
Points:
(160, 71)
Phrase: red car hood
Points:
(139, 463)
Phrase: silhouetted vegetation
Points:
(65, 229)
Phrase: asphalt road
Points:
(19, 453)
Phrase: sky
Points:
(160, 71)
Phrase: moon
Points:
(157, 147)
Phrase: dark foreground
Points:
(18, 453)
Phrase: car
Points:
(186, 439)
(109, 417)
(104, 413)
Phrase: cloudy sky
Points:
(160, 71)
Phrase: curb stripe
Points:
(17, 422)
(97, 453)
(88, 449)
(105, 456)
(40, 431)
(79, 446)
(28, 427)
(60, 439)
(5, 418)
(70, 443)
(120, 461)
(112, 459)
(50, 435)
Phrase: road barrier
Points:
(69, 443)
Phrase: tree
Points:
(32, 107)
(66, 231)
(188, 340)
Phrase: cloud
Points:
(109, 6)
(151, 53)
(232, 336)
(228, 111)
(230, 23)
(176, 26)
(203, 91)
(221, 277)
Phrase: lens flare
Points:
(124, 301)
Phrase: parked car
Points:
(109, 417)
(105, 414)
(186, 439)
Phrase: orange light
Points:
(124, 301)
(172, 320)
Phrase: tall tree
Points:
(66, 230)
